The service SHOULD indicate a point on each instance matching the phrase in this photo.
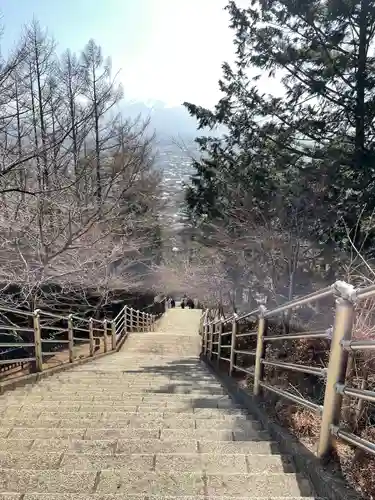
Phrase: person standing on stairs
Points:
(190, 303)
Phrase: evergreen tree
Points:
(310, 152)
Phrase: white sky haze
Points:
(168, 50)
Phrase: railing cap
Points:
(345, 291)
(262, 310)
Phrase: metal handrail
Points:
(341, 342)
(17, 344)
(359, 345)
(92, 331)
(248, 353)
(366, 292)
(242, 369)
(356, 393)
(52, 315)
(17, 311)
(312, 297)
(247, 315)
(18, 360)
(350, 438)
(296, 399)
(319, 334)
(247, 334)
(312, 370)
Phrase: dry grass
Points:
(356, 466)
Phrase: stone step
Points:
(169, 409)
(147, 423)
(141, 429)
(165, 418)
(232, 464)
(83, 410)
(141, 441)
(141, 391)
(124, 399)
(120, 496)
(152, 483)
(197, 398)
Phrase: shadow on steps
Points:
(191, 377)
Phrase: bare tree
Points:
(102, 94)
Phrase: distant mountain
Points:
(168, 122)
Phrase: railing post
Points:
(337, 365)
(259, 368)
(233, 344)
(113, 330)
(204, 338)
(219, 340)
(91, 337)
(71, 338)
(131, 320)
(138, 323)
(125, 320)
(143, 322)
(105, 335)
(38, 342)
(211, 340)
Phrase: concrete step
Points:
(120, 496)
(141, 441)
(194, 462)
(150, 482)
(113, 420)
(170, 409)
(147, 423)
(85, 410)
(112, 431)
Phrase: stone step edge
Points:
(162, 473)
(145, 454)
(120, 496)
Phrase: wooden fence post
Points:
(38, 342)
(91, 337)
(113, 329)
(71, 338)
(233, 344)
(105, 335)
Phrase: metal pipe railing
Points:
(366, 292)
(93, 331)
(359, 345)
(334, 375)
(247, 315)
(242, 369)
(356, 441)
(247, 334)
(248, 353)
(319, 334)
(356, 393)
(312, 370)
(292, 397)
(312, 297)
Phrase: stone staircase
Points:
(149, 422)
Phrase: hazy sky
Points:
(169, 50)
